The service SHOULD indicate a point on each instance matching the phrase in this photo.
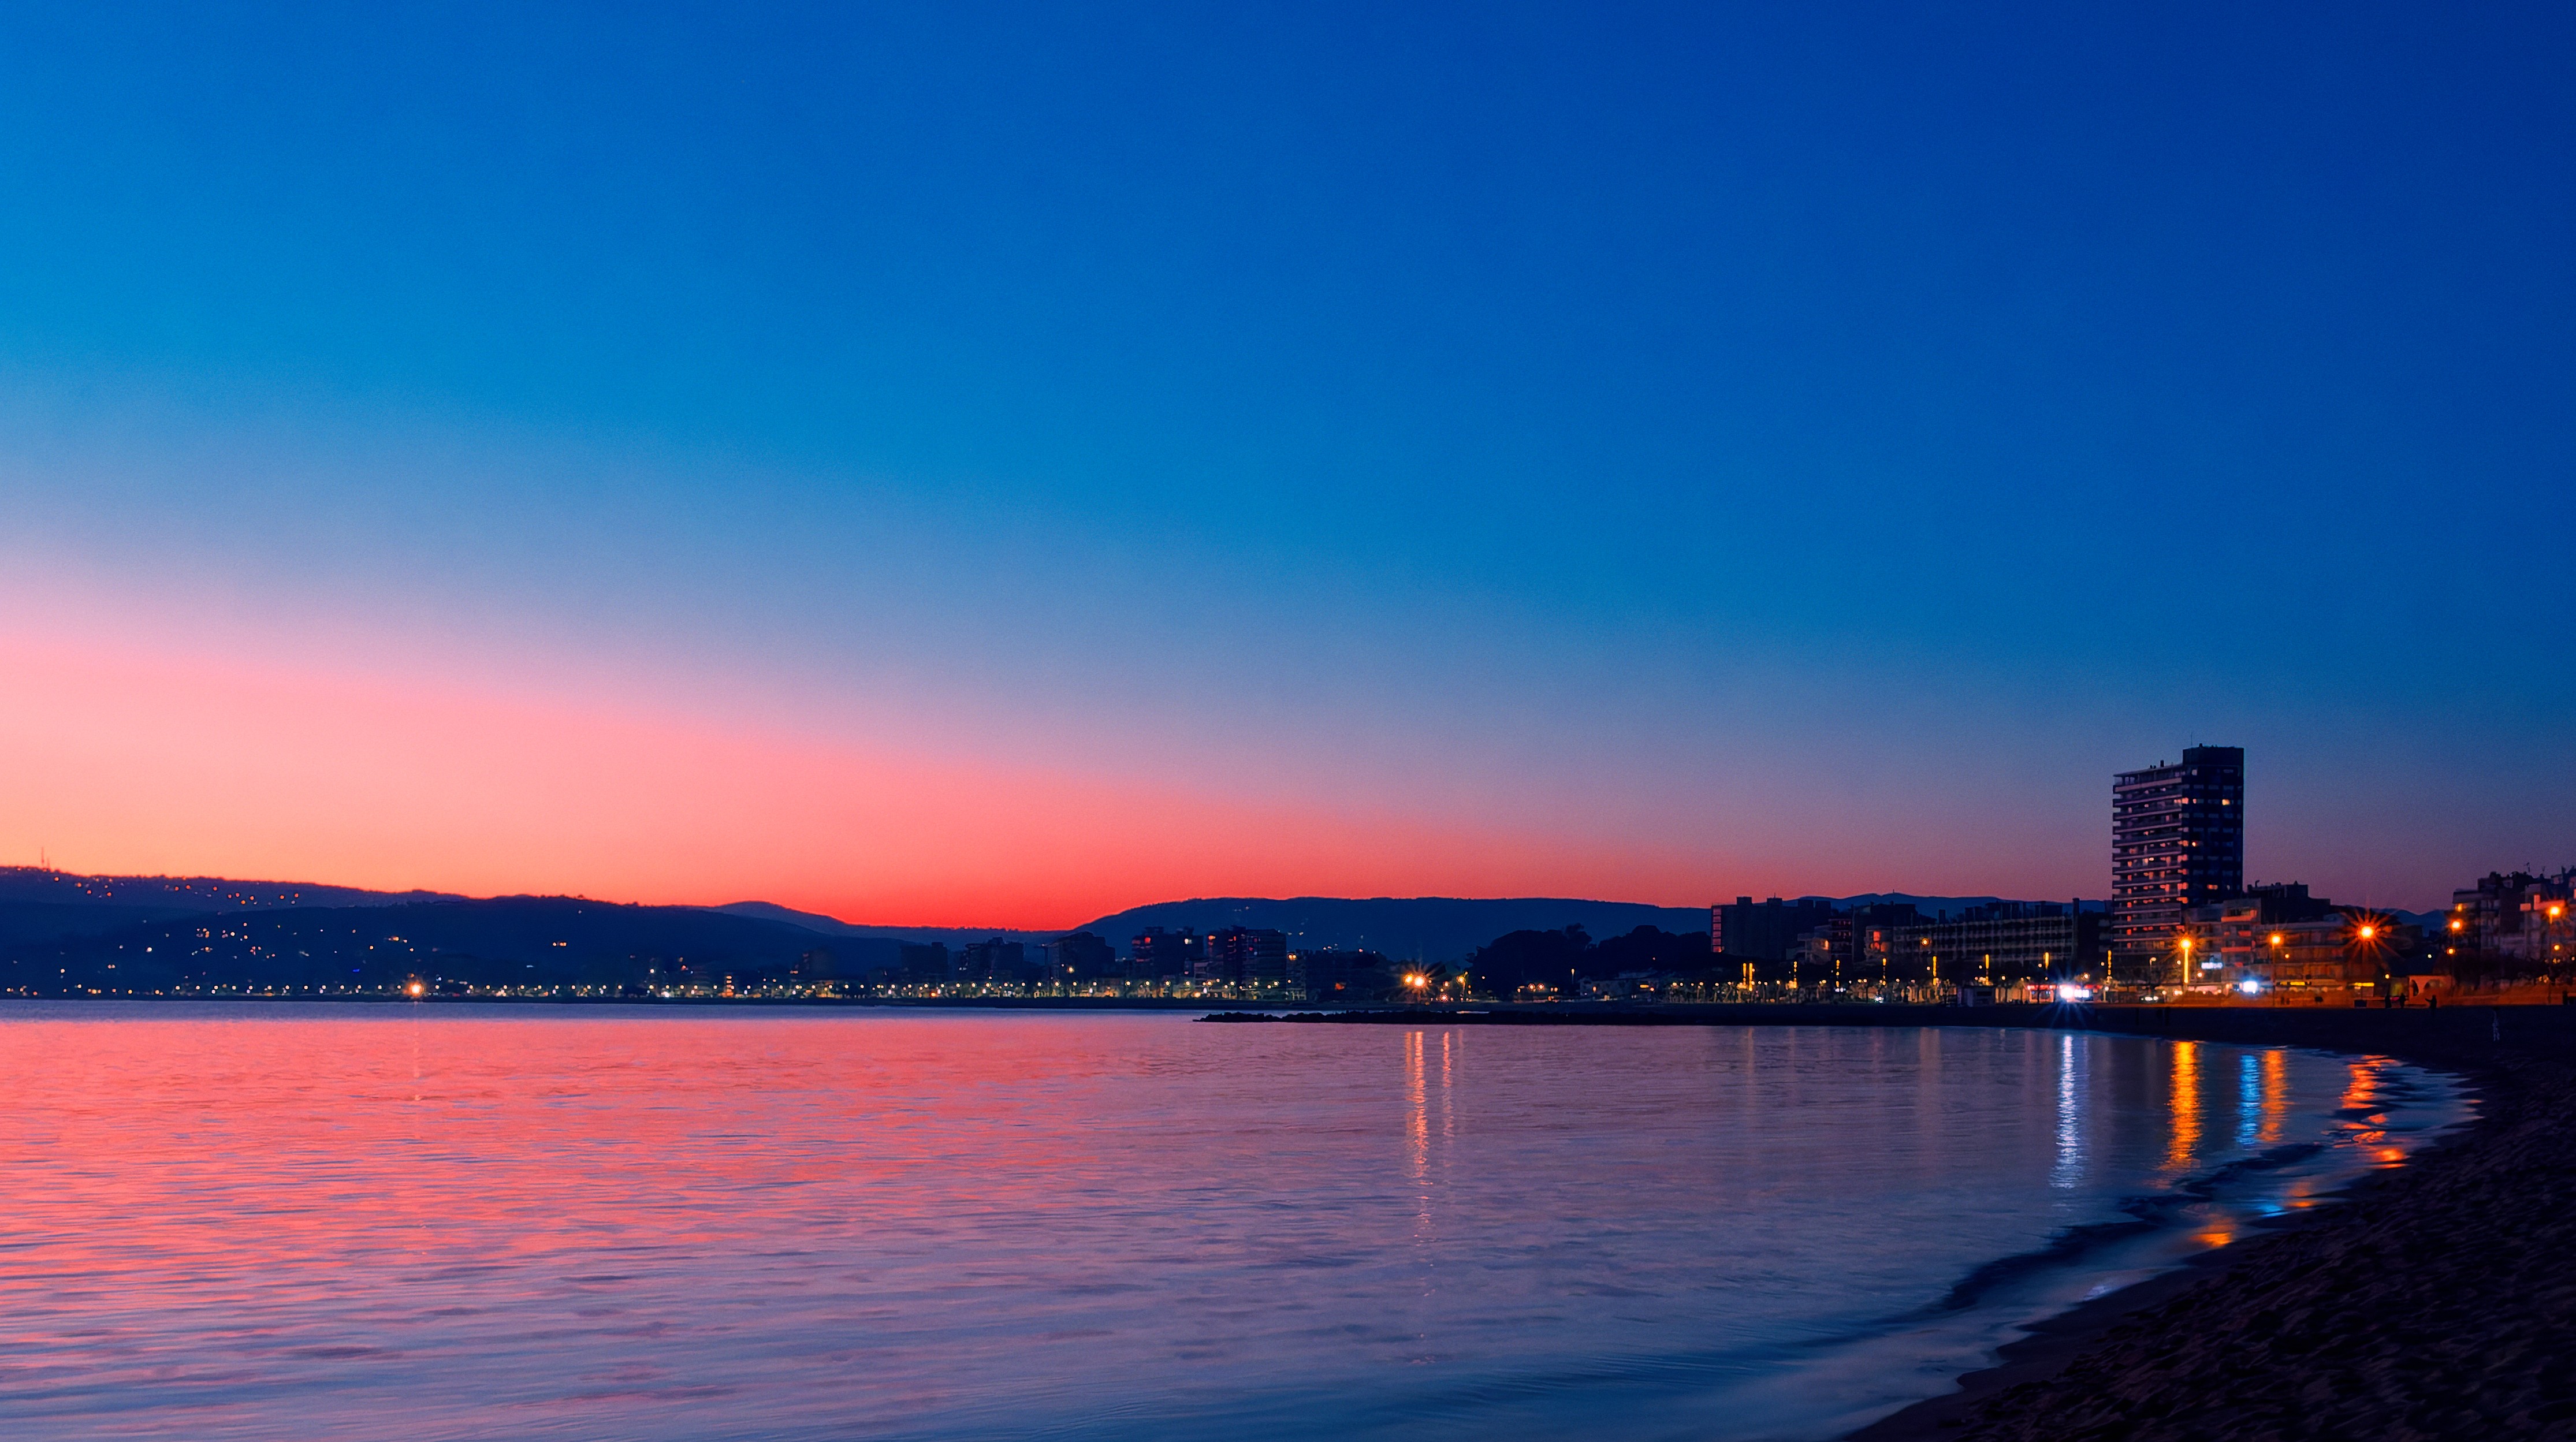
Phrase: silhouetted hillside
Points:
(32, 884)
(834, 926)
(506, 941)
(1439, 928)
(61, 930)
(1431, 928)
(40, 904)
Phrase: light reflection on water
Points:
(2069, 1171)
(376, 1223)
(2182, 1106)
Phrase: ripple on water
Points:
(365, 1223)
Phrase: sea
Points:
(286, 1221)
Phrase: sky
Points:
(997, 464)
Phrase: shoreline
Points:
(2431, 1300)
(2045, 1349)
(2054, 1343)
(2428, 1302)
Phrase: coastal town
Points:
(2181, 925)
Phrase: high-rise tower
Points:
(2177, 840)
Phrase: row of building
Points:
(1893, 947)
(2180, 919)
(1256, 960)
(2505, 927)
(2184, 919)
(2514, 917)
(2179, 922)
(1236, 959)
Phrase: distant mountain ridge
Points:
(1428, 928)
(43, 885)
(41, 905)
(1445, 928)
(834, 926)
(499, 941)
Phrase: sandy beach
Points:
(2435, 1302)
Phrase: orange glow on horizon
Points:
(161, 760)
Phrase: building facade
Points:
(1156, 954)
(996, 960)
(1823, 955)
(1078, 957)
(2519, 917)
(1331, 974)
(1245, 956)
(924, 965)
(2279, 939)
(2177, 841)
(1767, 932)
(2007, 944)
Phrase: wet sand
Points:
(2436, 1302)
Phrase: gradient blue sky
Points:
(1652, 453)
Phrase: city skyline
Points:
(991, 468)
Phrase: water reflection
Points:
(2249, 1100)
(962, 1228)
(2365, 1105)
(2069, 1169)
(2182, 1147)
(2276, 1095)
(1451, 1041)
(1417, 1115)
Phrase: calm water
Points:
(357, 1223)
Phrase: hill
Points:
(1441, 928)
(64, 925)
(504, 941)
(1429, 928)
(23, 885)
(834, 926)
(41, 904)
